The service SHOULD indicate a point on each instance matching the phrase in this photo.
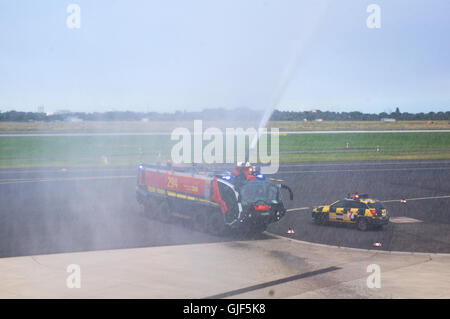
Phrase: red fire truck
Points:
(216, 201)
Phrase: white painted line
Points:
(381, 163)
(376, 251)
(366, 131)
(76, 169)
(63, 170)
(168, 133)
(364, 170)
(62, 179)
(83, 134)
(419, 198)
(383, 201)
(297, 209)
(404, 220)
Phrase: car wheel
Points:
(362, 224)
(316, 219)
(323, 219)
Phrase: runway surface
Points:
(26, 134)
(66, 210)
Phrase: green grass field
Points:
(384, 141)
(81, 150)
(63, 151)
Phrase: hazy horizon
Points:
(68, 111)
(167, 56)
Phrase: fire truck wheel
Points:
(200, 221)
(257, 229)
(216, 224)
(163, 212)
(150, 208)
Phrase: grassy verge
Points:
(66, 147)
(63, 151)
(364, 141)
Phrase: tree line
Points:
(357, 116)
(219, 115)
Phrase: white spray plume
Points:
(288, 72)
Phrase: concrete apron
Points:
(270, 268)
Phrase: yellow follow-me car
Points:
(357, 209)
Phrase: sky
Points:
(190, 55)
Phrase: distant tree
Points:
(221, 114)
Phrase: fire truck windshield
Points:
(254, 191)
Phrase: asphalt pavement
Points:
(45, 211)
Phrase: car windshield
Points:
(254, 191)
(376, 205)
